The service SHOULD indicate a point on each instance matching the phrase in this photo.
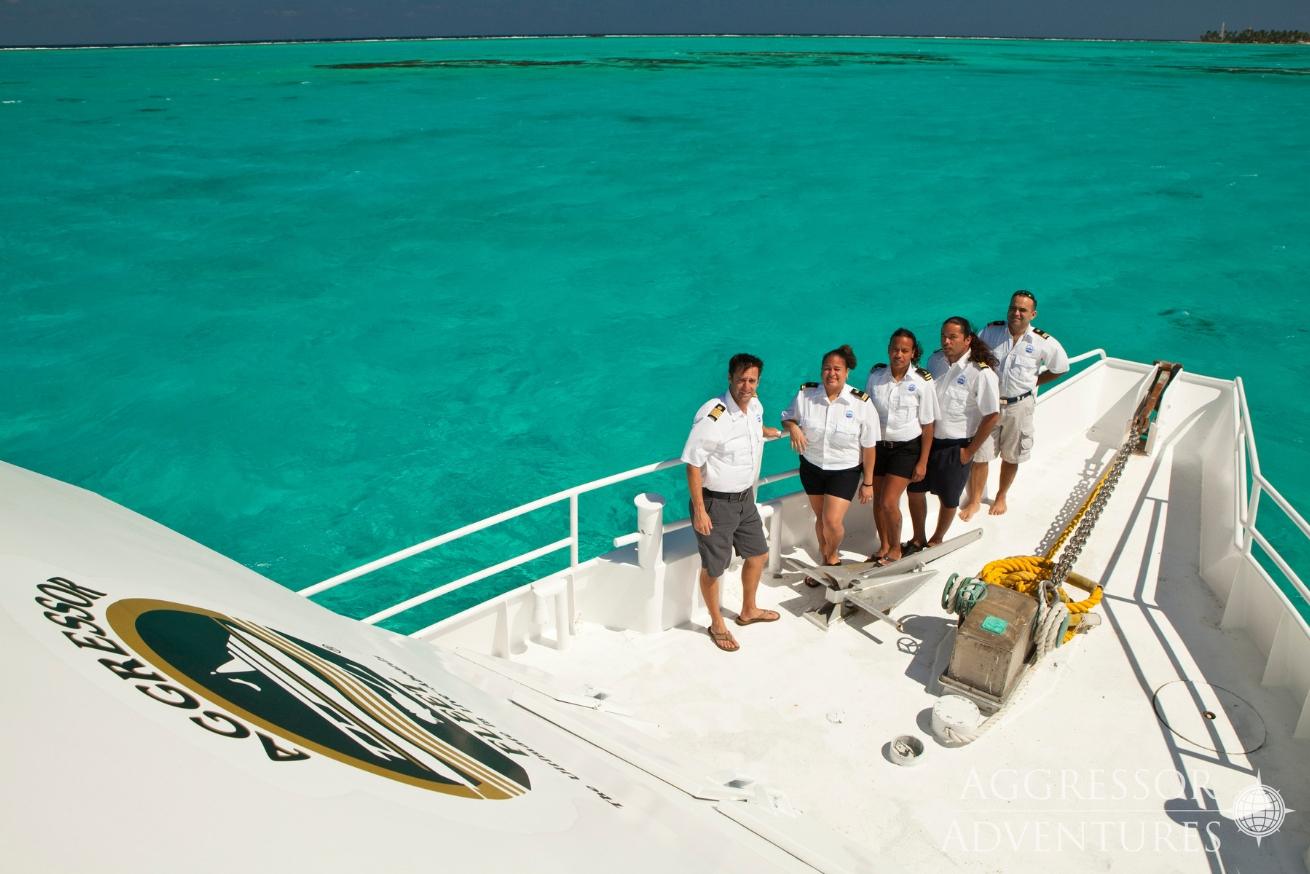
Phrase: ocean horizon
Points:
(500, 36)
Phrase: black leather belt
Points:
(895, 444)
(726, 496)
(1016, 398)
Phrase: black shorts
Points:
(838, 483)
(897, 458)
(946, 475)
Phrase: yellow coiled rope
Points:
(1025, 573)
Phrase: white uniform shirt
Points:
(727, 444)
(1020, 360)
(835, 431)
(903, 407)
(965, 393)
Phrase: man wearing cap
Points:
(723, 455)
(1028, 357)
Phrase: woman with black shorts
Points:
(903, 395)
(835, 429)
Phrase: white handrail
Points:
(1090, 353)
(526, 557)
(1261, 485)
(1281, 563)
(474, 527)
(1283, 504)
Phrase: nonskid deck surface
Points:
(1080, 772)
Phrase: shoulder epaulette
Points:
(982, 365)
(1040, 333)
(924, 373)
(997, 322)
(719, 410)
(878, 366)
(859, 393)
(809, 385)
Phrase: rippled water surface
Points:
(311, 303)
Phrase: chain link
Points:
(1078, 539)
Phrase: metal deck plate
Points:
(1211, 717)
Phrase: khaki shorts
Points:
(1012, 438)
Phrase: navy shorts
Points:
(946, 475)
(838, 483)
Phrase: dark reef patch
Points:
(697, 60)
(1184, 319)
(1245, 71)
(454, 63)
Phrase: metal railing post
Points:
(775, 542)
(573, 530)
(1248, 526)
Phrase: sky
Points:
(101, 22)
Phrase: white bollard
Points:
(650, 556)
(551, 600)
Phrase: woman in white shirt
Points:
(835, 429)
(903, 395)
(968, 407)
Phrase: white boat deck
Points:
(1079, 773)
(586, 721)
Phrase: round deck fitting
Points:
(906, 750)
(1211, 717)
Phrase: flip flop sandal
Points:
(765, 616)
(723, 640)
(909, 547)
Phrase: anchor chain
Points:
(1088, 518)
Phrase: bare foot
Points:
(968, 511)
(998, 506)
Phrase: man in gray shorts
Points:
(1027, 357)
(723, 454)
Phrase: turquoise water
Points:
(308, 310)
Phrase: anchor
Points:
(877, 589)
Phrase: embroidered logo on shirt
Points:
(909, 388)
(850, 414)
(1029, 350)
(960, 380)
